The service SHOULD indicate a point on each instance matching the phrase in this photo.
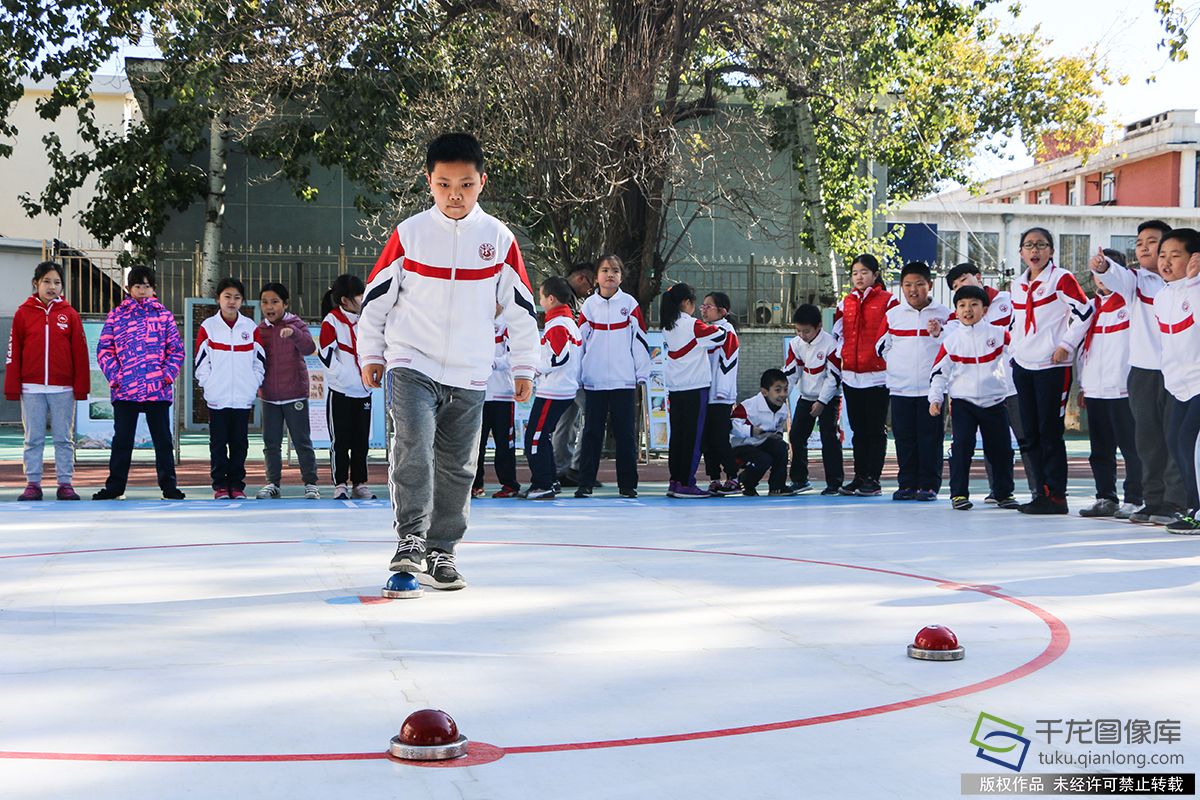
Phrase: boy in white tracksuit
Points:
(229, 366)
(758, 435)
(428, 317)
(972, 367)
(812, 364)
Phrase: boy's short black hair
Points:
(141, 274)
(230, 283)
(454, 148)
(585, 267)
(771, 377)
(1189, 236)
(807, 314)
(1115, 255)
(965, 268)
(917, 268)
(972, 293)
(1155, 224)
(558, 288)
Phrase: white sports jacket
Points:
(908, 346)
(1104, 357)
(500, 382)
(230, 362)
(615, 352)
(724, 363)
(687, 347)
(1049, 313)
(755, 412)
(431, 300)
(338, 351)
(558, 368)
(815, 366)
(972, 365)
(1176, 307)
(1138, 287)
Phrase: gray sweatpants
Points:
(59, 409)
(568, 434)
(273, 419)
(432, 460)
(1150, 402)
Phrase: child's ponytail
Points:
(672, 299)
(343, 286)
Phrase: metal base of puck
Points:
(401, 586)
(433, 752)
(956, 654)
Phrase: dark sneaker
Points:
(629, 494)
(1103, 507)
(1044, 504)
(687, 492)
(990, 499)
(1186, 525)
(786, 491)
(904, 494)
(868, 488)
(1142, 515)
(800, 488)
(1008, 503)
(749, 491)
(173, 494)
(731, 486)
(506, 492)
(925, 495)
(105, 494)
(831, 491)
(851, 488)
(66, 492)
(441, 573)
(583, 491)
(570, 479)
(961, 503)
(410, 555)
(32, 492)
(540, 494)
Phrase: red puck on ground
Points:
(936, 643)
(428, 735)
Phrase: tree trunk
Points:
(214, 213)
(810, 191)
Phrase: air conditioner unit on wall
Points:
(768, 313)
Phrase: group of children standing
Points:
(236, 362)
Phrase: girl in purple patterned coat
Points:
(140, 353)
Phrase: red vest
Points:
(862, 323)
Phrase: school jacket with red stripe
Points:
(615, 352)
(909, 348)
(815, 366)
(46, 347)
(972, 365)
(500, 384)
(999, 311)
(431, 300)
(1049, 312)
(230, 361)
(687, 345)
(338, 350)
(755, 412)
(1176, 307)
(1104, 357)
(558, 366)
(724, 363)
(1138, 287)
(857, 324)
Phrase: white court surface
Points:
(732, 648)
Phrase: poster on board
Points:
(94, 416)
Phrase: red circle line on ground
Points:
(1060, 639)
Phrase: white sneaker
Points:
(340, 492)
(1126, 510)
(362, 492)
(311, 492)
(268, 492)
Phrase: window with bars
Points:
(1108, 187)
(983, 249)
(948, 248)
(1043, 197)
(1126, 245)
(1073, 254)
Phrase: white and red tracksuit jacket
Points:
(337, 347)
(230, 361)
(1049, 312)
(1104, 357)
(724, 363)
(755, 412)
(999, 311)
(814, 366)
(500, 383)
(615, 352)
(687, 345)
(1138, 287)
(558, 368)
(972, 365)
(432, 297)
(1176, 307)
(909, 348)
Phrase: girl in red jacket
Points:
(47, 370)
(860, 318)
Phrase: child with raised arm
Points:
(971, 367)
(812, 364)
(427, 317)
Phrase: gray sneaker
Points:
(1126, 510)
(410, 555)
(362, 492)
(340, 492)
(1103, 507)
(1142, 515)
(311, 492)
(268, 492)
(1164, 517)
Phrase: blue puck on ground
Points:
(401, 586)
